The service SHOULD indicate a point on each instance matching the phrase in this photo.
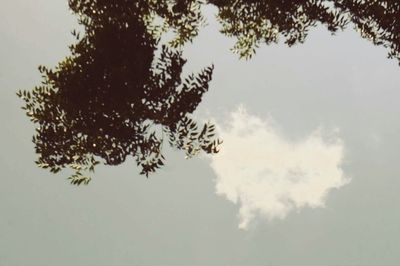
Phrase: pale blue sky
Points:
(175, 217)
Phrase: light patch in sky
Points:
(268, 175)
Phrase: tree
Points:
(257, 21)
(113, 97)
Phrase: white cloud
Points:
(269, 175)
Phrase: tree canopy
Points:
(115, 96)
(257, 21)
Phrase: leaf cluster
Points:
(113, 98)
(377, 21)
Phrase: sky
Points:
(308, 173)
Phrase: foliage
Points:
(112, 98)
(376, 20)
(256, 21)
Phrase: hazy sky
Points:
(308, 174)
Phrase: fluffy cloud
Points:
(268, 175)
